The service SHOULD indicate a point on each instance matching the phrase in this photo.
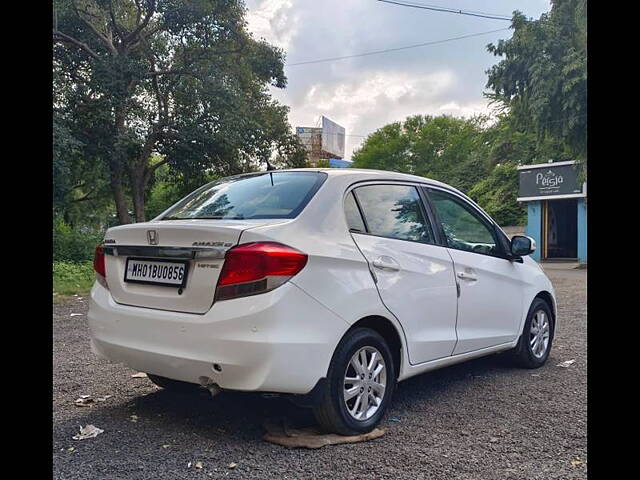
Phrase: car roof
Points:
(371, 174)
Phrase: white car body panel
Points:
(197, 296)
(261, 341)
(422, 293)
(255, 348)
(490, 304)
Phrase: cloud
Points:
(275, 21)
(467, 110)
(363, 105)
(365, 93)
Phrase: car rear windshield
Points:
(252, 196)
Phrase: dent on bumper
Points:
(281, 341)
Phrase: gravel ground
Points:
(479, 420)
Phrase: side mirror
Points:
(522, 245)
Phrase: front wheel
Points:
(361, 380)
(535, 342)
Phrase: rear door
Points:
(491, 286)
(414, 276)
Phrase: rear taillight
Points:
(99, 266)
(257, 268)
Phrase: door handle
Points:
(467, 276)
(386, 263)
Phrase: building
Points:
(323, 143)
(339, 163)
(556, 211)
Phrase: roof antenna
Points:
(269, 166)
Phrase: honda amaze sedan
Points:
(330, 285)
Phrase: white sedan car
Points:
(330, 285)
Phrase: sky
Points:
(365, 93)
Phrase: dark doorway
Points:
(560, 227)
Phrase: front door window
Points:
(464, 228)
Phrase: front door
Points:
(490, 303)
(414, 275)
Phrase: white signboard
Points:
(332, 138)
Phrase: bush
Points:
(71, 277)
(74, 244)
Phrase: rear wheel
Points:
(535, 342)
(173, 385)
(361, 380)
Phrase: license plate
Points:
(170, 273)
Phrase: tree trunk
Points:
(116, 163)
(138, 187)
(141, 172)
(118, 196)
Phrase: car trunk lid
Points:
(199, 245)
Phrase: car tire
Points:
(173, 385)
(533, 349)
(337, 413)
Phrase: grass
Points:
(71, 278)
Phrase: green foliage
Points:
(74, 244)
(80, 183)
(162, 196)
(170, 186)
(443, 148)
(477, 158)
(72, 278)
(507, 144)
(291, 155)
(542, 79)
(497, 194)
(323, 163)
(181, 80)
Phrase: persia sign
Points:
(549, 180)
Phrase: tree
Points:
(497, 194)
(80, 186)
(506, 143)
(178, 82)
(542, 79)
(444, 148)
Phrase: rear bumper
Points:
(281, 341)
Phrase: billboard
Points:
(332, 138)
(549, 180)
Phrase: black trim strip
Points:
(352, 192)
(187, 253)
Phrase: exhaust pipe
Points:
(210, 385)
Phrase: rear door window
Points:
(254, 196)
(394, 211)
(352, 212)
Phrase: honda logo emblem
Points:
(152, 236)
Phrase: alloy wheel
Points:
(365, 381)
(539, 334)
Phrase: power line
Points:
(437, 8)
(377, 52)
